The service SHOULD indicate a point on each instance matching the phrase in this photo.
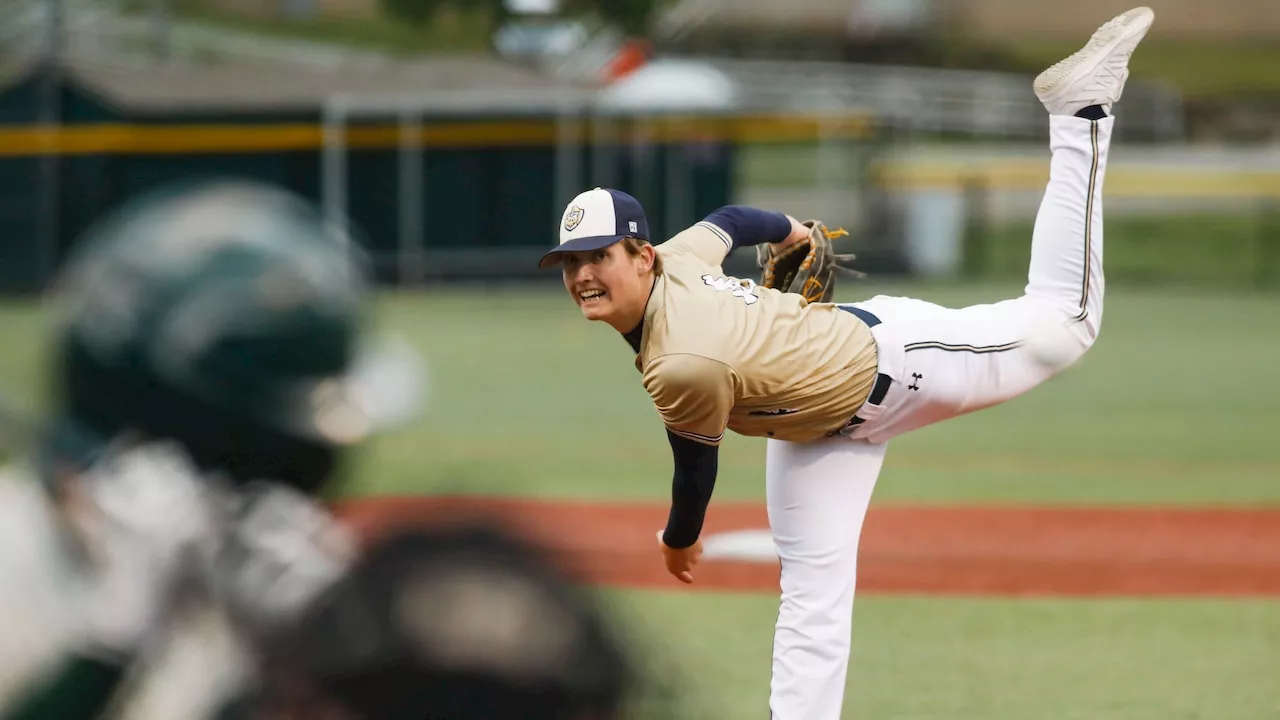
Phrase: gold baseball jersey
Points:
(719, 352)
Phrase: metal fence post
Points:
(1267, 242)
(48, 172)
(977, 230)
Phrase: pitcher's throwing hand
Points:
(680, 561)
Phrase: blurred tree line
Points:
(631, 16)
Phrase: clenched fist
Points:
(680, 562)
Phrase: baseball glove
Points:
(808, 267)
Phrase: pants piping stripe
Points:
(978, 349)
(1088, 225)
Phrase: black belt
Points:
(866, 317)
(881, 386)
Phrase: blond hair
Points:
(632, 246)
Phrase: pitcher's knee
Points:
(1085, 329)
(1059, 339)
(1093, 327)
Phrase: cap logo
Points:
(633, 226)
(573, 217)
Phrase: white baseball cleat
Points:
(1096, 74)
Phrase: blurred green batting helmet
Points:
(230, 317)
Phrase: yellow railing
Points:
(105, 139)
(1137, 181)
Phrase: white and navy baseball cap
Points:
(596, 219)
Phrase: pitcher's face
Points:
(609, 284)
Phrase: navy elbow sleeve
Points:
(750, 226)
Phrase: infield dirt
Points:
(1004, 551)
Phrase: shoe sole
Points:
(1133, 25)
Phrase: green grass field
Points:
(950, 659)
(1176, 404)
(1139, 420)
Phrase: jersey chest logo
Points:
(774, 413)
(744, 288)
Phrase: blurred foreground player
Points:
(210, 368)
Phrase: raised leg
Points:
(1065, 273)
(1066, 250)
(949, 362)
(818, 494)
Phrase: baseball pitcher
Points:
(829, 385)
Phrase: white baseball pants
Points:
(943, 363)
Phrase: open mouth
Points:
(590, 297)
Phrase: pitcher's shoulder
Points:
(702, 243)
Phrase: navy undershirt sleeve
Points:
(750, 226)
(693, 481)
(697, 464)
